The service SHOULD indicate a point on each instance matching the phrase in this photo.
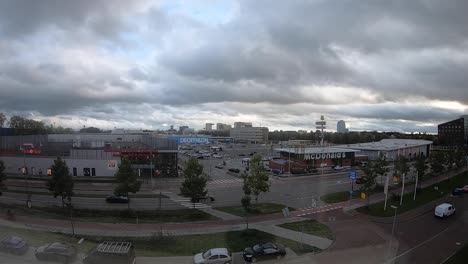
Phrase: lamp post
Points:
(393, 227)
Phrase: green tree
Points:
(421, 167)
(381, 167)
(257, 179)
(449, 158)
(2, 119)
(194, 185)
(127, 180)
(401, 166)
(437, 160)
(369, 178)
(20, 122)
(2, 175)
(61, 183)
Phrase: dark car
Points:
(15, 245)
(60, 252)
(457, 192)
(234, 170)
(117, 199)
(109, 252)
(263, 251)
(241, 155)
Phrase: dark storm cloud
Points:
(23, 17)
(373, 59)
(297, 43)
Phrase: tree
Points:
(401, 166)
(421, 167)
(2, 176)
(257, 181)
(437, 160)
(194, 185)
(450, 158)
(369, 178)
(2, 119)
(381, 166)
(61, 183)
(20, 122)
(90, 130)
(127, 180)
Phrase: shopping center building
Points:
(91, 155)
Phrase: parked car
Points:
(444, 210)
(117, 199)
(241, 155)
(465, 188)
(60, 252)
(234, 170)
(200, 157)
(109, 252)
(13, 244)
(205, 198)
(277, 172)
(264, 251)
(219, 166)
(214, 255)
(457, 192)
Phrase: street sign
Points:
(352, 175)
(286, 212)
(314, 202)
(363, 196)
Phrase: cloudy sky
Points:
(379, 65)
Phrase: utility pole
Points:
(416, 185)
(402, 189)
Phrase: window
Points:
(86, 172)
(214, 257)
(75, 172)
(93, 171)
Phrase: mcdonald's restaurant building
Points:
(306, 159)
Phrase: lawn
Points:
(460, 257)
(311, 227)
(259, 209)
(166, 245)
(117, 216)
(423, 196)
(344, 196)
(191, 244)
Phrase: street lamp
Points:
(393, 227)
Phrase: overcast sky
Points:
(378, 65)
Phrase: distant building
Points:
(188, 131)
(249, 134)
(242, 124)
(223, 127)
(341, 127)
(181, 128)
(453, 133)
(209, 126)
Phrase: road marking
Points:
(420, 244)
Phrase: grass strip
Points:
(311, 227)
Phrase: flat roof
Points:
(316, 150)
(388, 144)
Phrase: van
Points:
(444, 210)
(110, 252)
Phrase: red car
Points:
(465, 188)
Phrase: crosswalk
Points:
(187, 203)
(315, 210)
(226, 181)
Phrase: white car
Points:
(444, 210)
(214, 255)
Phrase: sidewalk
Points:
(356, 203)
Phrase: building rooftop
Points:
(388, 144)
(299, 150)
